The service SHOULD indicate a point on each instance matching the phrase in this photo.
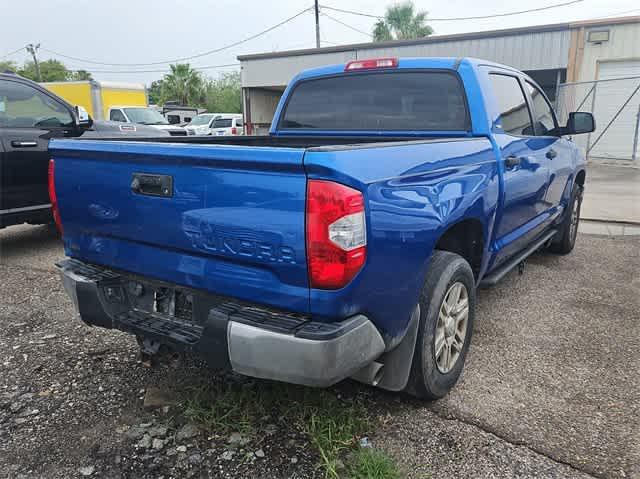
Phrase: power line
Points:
(618, 13)
(12, 53)
(346, 24)
(182, 59)
(164, 70)
(479, 17)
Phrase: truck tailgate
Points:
(226, 219)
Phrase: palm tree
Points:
(401, 22)
(183, 84)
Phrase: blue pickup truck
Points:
(347, 243)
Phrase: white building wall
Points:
(623, 44)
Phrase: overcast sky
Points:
(146, 31)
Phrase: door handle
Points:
(23, 144)
(152, 185)
(551, 154)
(512, 160)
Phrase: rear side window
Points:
(222, 123)
(514, 113)
(379, 101)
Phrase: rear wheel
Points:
(447, 305)
(565, 240)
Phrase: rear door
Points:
(526, 171)
(28, 119)
(552, 149)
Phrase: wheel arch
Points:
(466, 238)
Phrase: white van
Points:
(228, 124)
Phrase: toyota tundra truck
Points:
(348, 243)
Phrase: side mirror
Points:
(83, 119)
(579, 122)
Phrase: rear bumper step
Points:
(247, 338)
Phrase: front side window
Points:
(117, 115)
(542, 112)
(375, 101)
(514, 113)
(22, 106)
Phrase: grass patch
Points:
(369, 463)
(332, 423)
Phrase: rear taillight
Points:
(336, 234)
(234, 131)
(53, 197)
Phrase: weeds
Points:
(333, 424)
(369, 463)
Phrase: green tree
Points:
(224, 95)
(184, 85)
(401, 22)
(80, 75)
(8, 66)
(51, 70)
(155, 92)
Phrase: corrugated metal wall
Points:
(276, 72)
(525, 51)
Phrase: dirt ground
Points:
(551, 387)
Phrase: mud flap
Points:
(397, 363)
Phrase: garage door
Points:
(618, 141)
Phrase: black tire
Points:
(565, 240)
(426, 380)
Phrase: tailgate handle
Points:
(152, 185)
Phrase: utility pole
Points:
(317, 9)
(33, 49)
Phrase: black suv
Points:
(30, 116)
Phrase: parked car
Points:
(348, 243)
(228, 125)
(201, 124)
(30, 116)
(144, 115)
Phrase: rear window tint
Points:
(379, 101)
(222, 123)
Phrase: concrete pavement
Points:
(612, 193)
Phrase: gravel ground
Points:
(551, 387)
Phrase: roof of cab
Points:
(445, 63)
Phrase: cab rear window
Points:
(401, 101)
(222, 123)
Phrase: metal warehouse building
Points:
(571, 61)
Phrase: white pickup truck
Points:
(143, 115)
